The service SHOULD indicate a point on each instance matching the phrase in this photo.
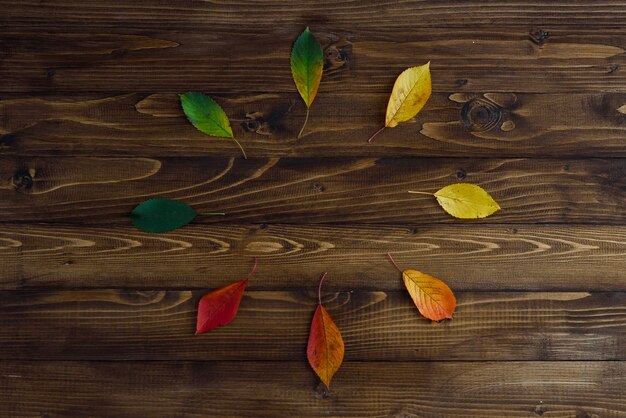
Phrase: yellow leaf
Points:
(466, 201)
(409, 95)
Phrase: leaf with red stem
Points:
(410, 93)
(325, 350)
(220, 307)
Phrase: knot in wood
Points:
(322, 391)
(22, 179)
(337, 55)
(251, 125)
(119, 52)
(255, 122)
(481, 115)
(539, 36)
(318, 187)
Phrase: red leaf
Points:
(220, 306)
(325, 350)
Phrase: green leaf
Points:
(307, 63)
(207, 116)
(161, 215)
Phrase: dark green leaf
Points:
(162, 215)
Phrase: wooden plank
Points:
(468, 257)
(452, 124)
(316, 190)
(116, 324)
(239, 16)
(175, 56)
(277, 389)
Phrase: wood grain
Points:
(240, 16)
(52, 55)
(98, 317)
(467, 257)
(452, 124)
(329, 190)
(277, 389)
(115, 324)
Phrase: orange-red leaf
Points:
(220, 306)
(325, 349)
(433, 298)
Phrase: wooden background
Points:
(98, 318)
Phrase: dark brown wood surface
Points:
(97, 190)
(454, 124)
(98, 317)
(256, 59)
(270, 389)
(376, 326)
(469, 257)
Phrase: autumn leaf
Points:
(207, 116)
(307, 63)
(220, 306)
(325, 349)
(465, 201)
(433, 298)
(409, 95)
(163, 215)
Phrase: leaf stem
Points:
(414, 192)
(251, 274)
(241, 148)
(394, 262)
(376, 134)
(319, 289)
(306, 119)
(212, 213)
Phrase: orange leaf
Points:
(220, 306)
(325, 349)
(433, 298)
